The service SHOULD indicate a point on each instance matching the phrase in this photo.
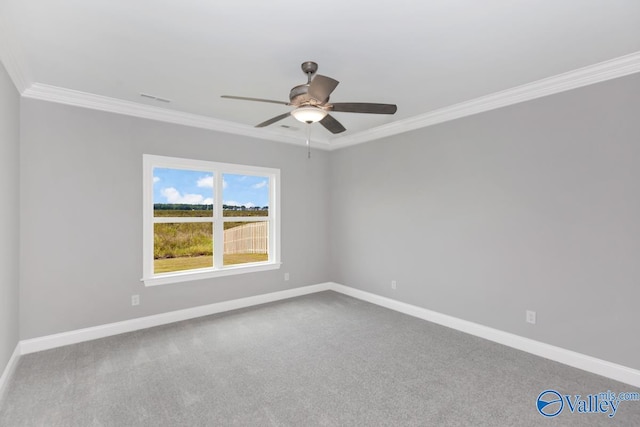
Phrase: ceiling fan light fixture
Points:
(312, 102)
(309, 114)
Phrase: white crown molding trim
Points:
(607, 70)
(87, 334)
(577, 360)
(596, 73)
(75, 98)
(7, 374)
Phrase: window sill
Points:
(167, 278)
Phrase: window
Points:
(204, 219)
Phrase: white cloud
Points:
(206, 181)
(259, 185)
(249, 205)
(173, 196)
(156, 179)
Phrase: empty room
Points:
(352, 213)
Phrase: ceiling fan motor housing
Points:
(299, 95)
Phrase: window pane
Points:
(245, 195)
(181, 192)
(182, 246)
(246, 242)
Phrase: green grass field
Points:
(232, 259)
(187, 246)
(168, 265)
(205, 213)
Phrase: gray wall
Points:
(81, 227)
(533, 206)
(9, 216)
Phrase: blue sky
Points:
(196, 187)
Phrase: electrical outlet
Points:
(531, 317)
(286, 276)
(135, 299)
(394, 284)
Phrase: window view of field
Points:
(182, 244)
(189, 245)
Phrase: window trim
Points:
(150, 162)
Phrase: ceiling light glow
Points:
(309, 114)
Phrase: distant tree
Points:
(181, 207)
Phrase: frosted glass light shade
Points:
(309, 114)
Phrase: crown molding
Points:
(75, 98)
(607, 70)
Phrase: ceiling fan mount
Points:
(312, 102)
(309, 68)
(299, 95)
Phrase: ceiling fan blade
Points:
(332, 124)
(364, 107)
(273, 120)
(244, 98)
(321, 87)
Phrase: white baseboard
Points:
(87, 334)
(9, 370)
(577, 360)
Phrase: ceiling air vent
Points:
(155, 98)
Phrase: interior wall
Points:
(534, 206)
(9, 216)
(81, 211)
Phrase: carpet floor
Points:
(318, 360)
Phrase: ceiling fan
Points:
(311, 102)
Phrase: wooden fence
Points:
(249, 238)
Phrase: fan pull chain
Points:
(308, 140)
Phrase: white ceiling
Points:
(425, 56)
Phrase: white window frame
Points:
(217, 170)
